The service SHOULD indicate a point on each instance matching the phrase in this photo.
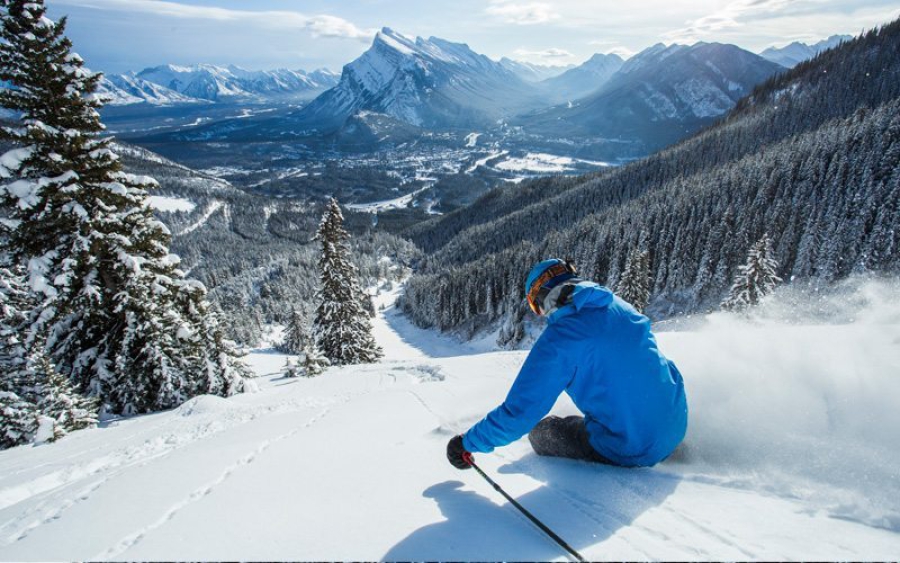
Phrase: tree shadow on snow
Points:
(429, 342)
(584, 503)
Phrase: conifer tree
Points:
(32, 392)
(295, 334)
(118, 317)
(755, 279)
(291, 368)
(18, 416)
(342, 327)
(312, 361)
(634, 285)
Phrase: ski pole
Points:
(527, 514)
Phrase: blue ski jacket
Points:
(599, 350)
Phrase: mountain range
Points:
(531, 72)
(170, 84)
(794, 53)
(430, 83)
(402, 88)
(583, 79)
(656, 97)
(660, 95)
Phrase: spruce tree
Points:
(18, 415)
(342, 327)
(295, 334)
(119, 318)
(312, 361)
(291, 368)
(32, 392)
(755, 279)
(634, 285)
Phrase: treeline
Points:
(811, 158)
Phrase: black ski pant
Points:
(564, 437)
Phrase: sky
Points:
(121, 35)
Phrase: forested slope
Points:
(255, 253)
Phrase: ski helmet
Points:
(543, 277)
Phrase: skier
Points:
(599, 350)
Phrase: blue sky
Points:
(119, 35)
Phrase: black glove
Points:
(457, 454)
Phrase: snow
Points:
(210, 210)
(543, 163)
(472, 139)
(791, 454)
(11, 160)
(484, 161)
(396, 41)
(704, 98)
(397, 203)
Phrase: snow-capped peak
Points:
(400, 75)
(396, 41)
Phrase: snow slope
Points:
(792, 453)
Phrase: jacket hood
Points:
(586, 295)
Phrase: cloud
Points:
(522, 14)
(318, 25)
(734, 15)
(332, 26)
(552, 53)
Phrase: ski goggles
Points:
(541, 286)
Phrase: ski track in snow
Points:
(131, 540)
(109, 466)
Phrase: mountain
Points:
(584, 79)
(531, 72)
(173, 83)
(810, 157)
(127, 89)
(660, 95)
(791, 55)
(430, 83)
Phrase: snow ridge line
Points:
(133, 539)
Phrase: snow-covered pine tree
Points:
(110, 300)
(32, 392)
(295, 334)
(342, 327)
(291, 368)
(18, 416)
(755, 279)
(312, 361)
(634, 285)
(60, 402)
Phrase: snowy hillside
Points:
(792, 452)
